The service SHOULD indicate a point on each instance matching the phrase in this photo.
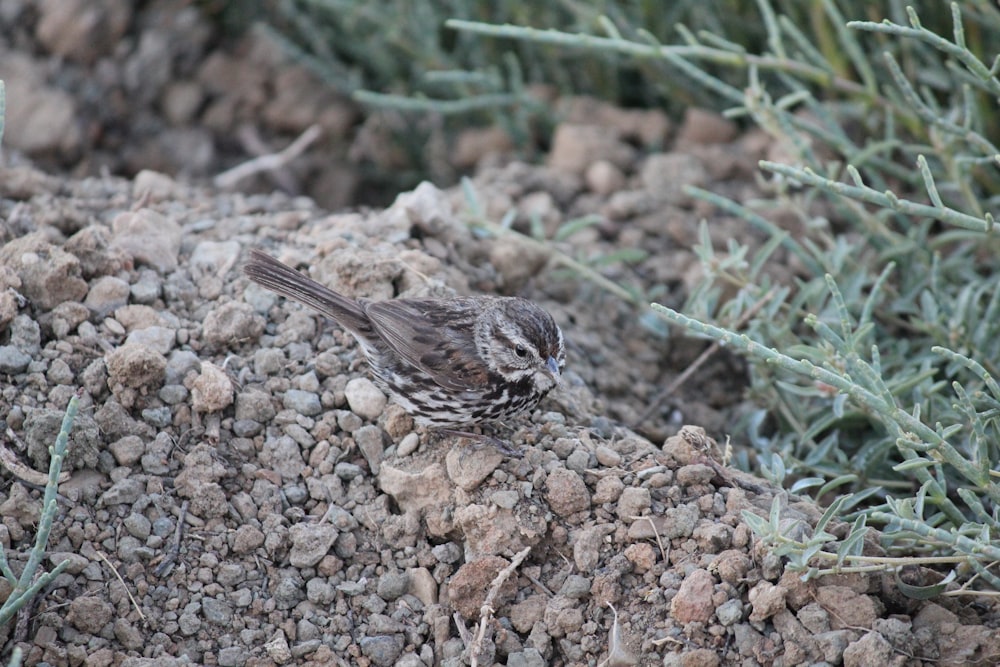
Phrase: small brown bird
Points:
(448, 362)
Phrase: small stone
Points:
(216, 611)
(212, 390)
(607, 457)
(578, 460)
(369, 440)
(347, 471)
(693, 601)
(123, 492)
(408, 444)
(172, 394)
(767, 600)
(89, 614)
(233, 656)
(422, 586)
(310, 542)
(469, 585)
(161, 339)
(283, 456)
(382, 650)
(137, 525)
(13, 360)
(159, 417)
(603, 178)
(149, 237)
(665, 175)
(701, 126)
(729, 612)
(392, 585)
(469, 467)
(128, 450)
(135, 366)
(246, 539)
(576, 146)
(59, 372)
(566, 492)
(254, 404)
(106, 294)
(634, 502)
(277, 648)
(231, 323)
(147, 289)
(364, 398)
(303, 402)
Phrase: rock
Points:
(634, 502)
(693, 602)
(302, 402)
(39, 119)
(49, 275)
(82, 30)
(310, 542)
(365, 399)
(135, 366)
(576, 146)
(149, 237)
(701, 126)
(415, 491)
(469, 466)
(468, 587)
(161, 339)
(566, 492)
(106, 294)
(665, 175)
(89, 614)
(212, 390)
(13, 360)
(232, 323)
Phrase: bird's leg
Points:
(481, 438)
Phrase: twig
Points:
(175, 548)
(667, 391)
(231, 177)
(124, 585)
(659, 542)
(486, 611)
(9, 461)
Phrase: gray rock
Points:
(13, 360)
(382, 650)
(365, 399)
(303, 402)
(310, 542)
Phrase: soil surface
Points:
(237, 491)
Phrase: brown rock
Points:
(575, 147)
(89, 614)
(82, 30)
(847, 608)
(49, 275)
(566, 492)
(693, 601)
(468, 587)
(767, 600)
(701, 126)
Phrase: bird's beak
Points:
(553, 367)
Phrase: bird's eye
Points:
(520, 351)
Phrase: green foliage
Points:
(31, 582)
(875, 366)
(888, 390)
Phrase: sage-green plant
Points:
(875, 368)
(30, 582)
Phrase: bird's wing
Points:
(438, 339)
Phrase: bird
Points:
(451, 362)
